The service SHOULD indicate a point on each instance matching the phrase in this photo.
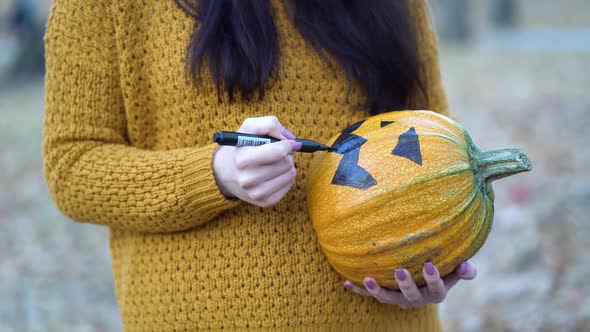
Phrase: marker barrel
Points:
(242, 139)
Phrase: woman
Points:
(205, 237)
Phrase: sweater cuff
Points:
(198, 184)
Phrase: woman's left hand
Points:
(409, 295)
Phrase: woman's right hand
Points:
(261, 175)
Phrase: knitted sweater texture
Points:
(128, 144)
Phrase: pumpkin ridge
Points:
(449, 139)
(431, 131)
(384, 198)
(420, 180)
(434, 124)
(350, 252)
(483, 231)
(459, 252)
(412, 263)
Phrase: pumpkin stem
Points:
(497, 164)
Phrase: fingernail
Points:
(400, 274)
(463, 268)
(429, 268)
(287, 133)
(347, 284)
(370, 283)
(297, 146)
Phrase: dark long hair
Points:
(373, 40)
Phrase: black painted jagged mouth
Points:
(350, 174)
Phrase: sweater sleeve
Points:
(93, 173)
(428, 52)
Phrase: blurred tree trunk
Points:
(30, 58)
(503, 13)
(454, 23)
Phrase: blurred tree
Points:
(503, 13)
(30, 58)
(453, 17)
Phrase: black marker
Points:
(241, 139)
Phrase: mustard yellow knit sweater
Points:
(127, 144)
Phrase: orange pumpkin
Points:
(401, 189)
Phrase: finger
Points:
(408, 287)
(381, 294)
(268, 188)
(248, 156)
(465, 271)
(276, 197)
(266, 125)
(254, 176)
(356, 288)
(436, 287)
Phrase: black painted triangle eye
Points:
(351, 142)
(349, 173)
(345, 133)
(408, 146)
(386, 123)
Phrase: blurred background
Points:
(517, 73)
